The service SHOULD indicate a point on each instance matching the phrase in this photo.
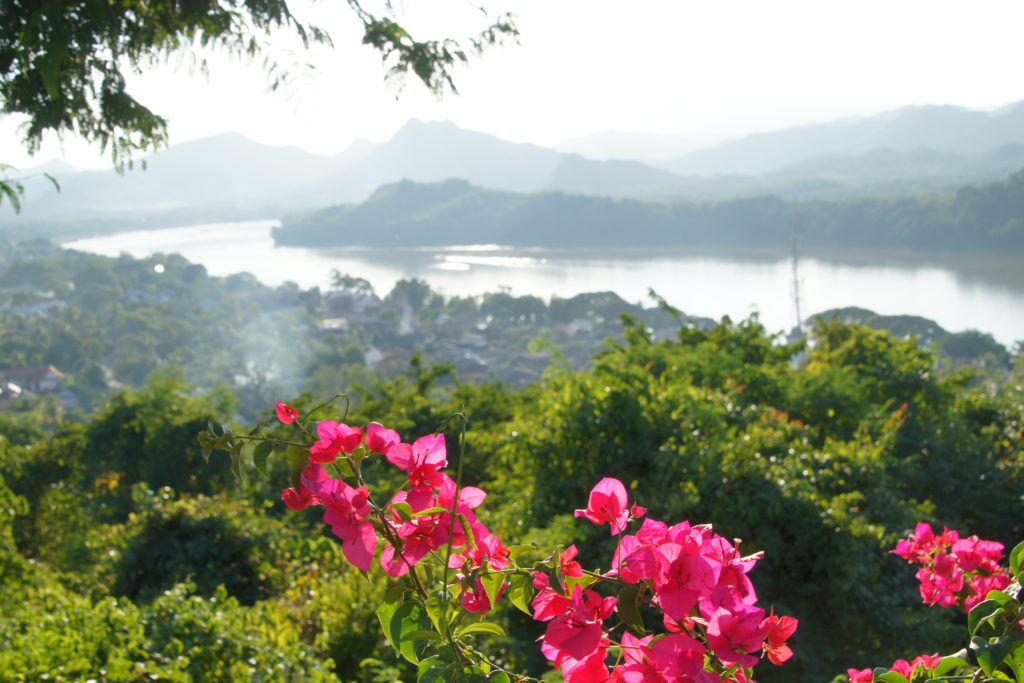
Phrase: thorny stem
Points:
(322, 404)
(463, 419)
(395, 541)
(516, 676)
(602, 577)
(276, 442)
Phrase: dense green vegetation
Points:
(454, 212)
(143, 559)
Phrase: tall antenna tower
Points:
(796, 232)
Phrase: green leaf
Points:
(467, 529)
(500, 677)
(515, 551)
(298, 457)
(948, 664)
(259, 457)
(982, 613)
(520, 592)
(422, 635)
(1004, 600)
(398, 621)
(492, 582)
(207, 441)
(1017, 559)
(404, 510)
(53, 181)
(395, 593)
(431, 511)
(888, 676)
(1015, 660)
(435, 606)
(13, 190)
(432, 671)
(627, 608)
(582, 581)
(990, 654)
(483, 627)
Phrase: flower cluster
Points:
(694, 577)
(900, 666)
(954, 571)
(430, 514)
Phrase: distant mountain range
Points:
(941, 128)
(916, 150)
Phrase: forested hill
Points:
(987, 217)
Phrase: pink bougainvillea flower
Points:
(570, 568)
(973, 553)
(335, 437)
(300, 498)
(735, 636)
(577, 632)
(981, 585)
(547, 603)
(779, 631)
(678, 657)
(860, 675)
(488, 550)
(588, 670)
(902, 666)
(285, 413)
(476, 600)
(685, 576)
(423, 460)
(927, 661)
(419, 536)
(346, 510)
(380, 439)
(607, 503)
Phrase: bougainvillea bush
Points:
(674, 604)
(964, 573)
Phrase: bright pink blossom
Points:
(779, 631)
(547, 603)
(590, 669)
(678, 657)
(860, 675)
(489, 550)
(300, 498)
(476, 601)
(607, 503)
(346, 510)
(285, 413)
(425, 533)
(570, 568)
(577, 632)
(380, 439)
(685, 576)
(927, 661)
(335, 438)
(735, 636)
(423, 461)
(902, 666)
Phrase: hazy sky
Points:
(583, 66)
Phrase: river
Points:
(973, 291)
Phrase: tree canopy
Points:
(63, 62)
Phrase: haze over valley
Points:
(911, 151)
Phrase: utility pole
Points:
(796, 231)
